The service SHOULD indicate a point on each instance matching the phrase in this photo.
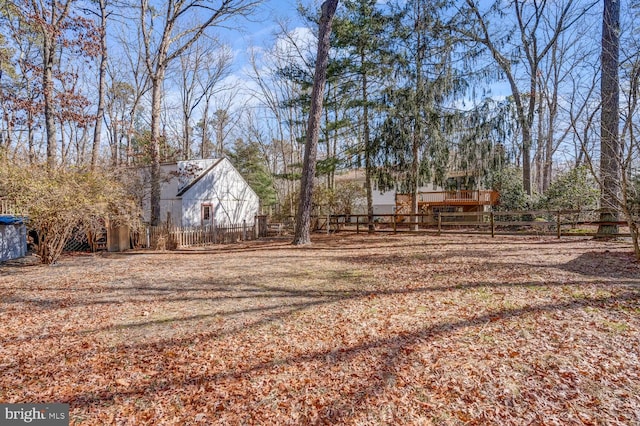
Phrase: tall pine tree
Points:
(362, 34)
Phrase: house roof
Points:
(197, 178)
(353, 175)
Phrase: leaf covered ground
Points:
(407, 329)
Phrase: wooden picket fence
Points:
(8, 207)
(173, 237)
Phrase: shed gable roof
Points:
(190, 185)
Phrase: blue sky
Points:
(262, 25)
(259, 32)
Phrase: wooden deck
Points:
(450, 198)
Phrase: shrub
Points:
(573, 190)
(60, 202)
(508, 183)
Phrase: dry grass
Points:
(351, 330)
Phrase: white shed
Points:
(205, 192)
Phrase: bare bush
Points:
(60, 202)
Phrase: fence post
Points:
(493, 225)
(357, 224)
(255, 227)
(213, 226)
(439, 223)
(244, 230)
(394, 223)
(559, 232)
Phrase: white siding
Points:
(232, 199)
(170, 203)
(385, 202)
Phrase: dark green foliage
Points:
(249, 160)
(508, 182)
(573, 190)
(411, 142)
(142, 148)
(422, 138)
(326, 166)
(478, 143)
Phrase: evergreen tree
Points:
(413, 136)
(362, 35)
(573, 190)
(249, 160)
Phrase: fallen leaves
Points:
(361, 330)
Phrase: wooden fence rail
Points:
(558, 223)
(538, 222)
(173, 237)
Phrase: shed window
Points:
(207, 214)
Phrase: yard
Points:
(392, 329)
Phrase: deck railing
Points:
(464, 196)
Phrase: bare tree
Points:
(59, 28)
(102, 81)
(128, 83)
(20, 92)
(280, 119)
(617, 172)
(630, 147)
(166, 37)
(537, 30)
(303, 218)
(572, 55)
(202, 68)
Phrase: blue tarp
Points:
(11, 220)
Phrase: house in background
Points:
(458, 197)
(204, 192)
(432, 199)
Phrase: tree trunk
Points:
(552, 103)
(417, 122)
(186, 130)
(303, 222)
(31, 138)
(49, 107)
(527, 131)
(205, 124)
(102, 85)
(156, 101)
(415, 165)
(548, 160)
(609, 143)
(367, 152)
